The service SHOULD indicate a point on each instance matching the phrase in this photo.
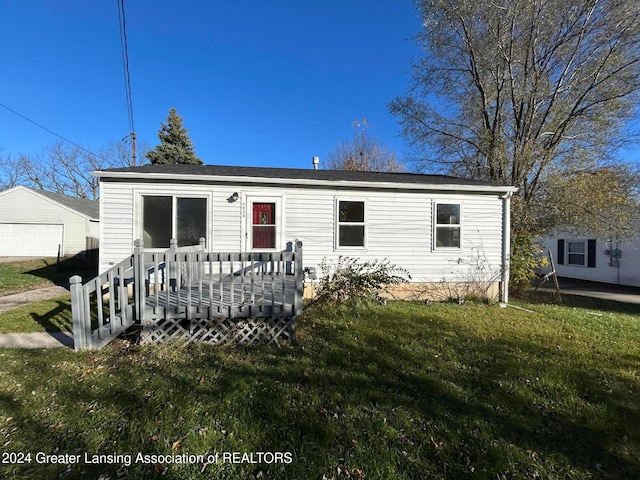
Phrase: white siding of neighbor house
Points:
(627, 272)
(399, 224)
(22, 206)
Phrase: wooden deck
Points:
(246, 309)
(248, 297)
(232, 296)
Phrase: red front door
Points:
(264, 225)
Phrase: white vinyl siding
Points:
(399, 224)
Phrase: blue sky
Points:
(257, 83)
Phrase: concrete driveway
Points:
(17, 259)
(606, 291)
(14, 300)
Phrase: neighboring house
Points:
(36, 223)
(439, 228)
(607, 260)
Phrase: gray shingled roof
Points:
(90, 208)
(297, 174)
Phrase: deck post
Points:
(199, 261)
(172, 264)
(139, 280)
(77, 313)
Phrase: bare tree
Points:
(11, 172)
(513, 90)
(64, 168)
(363, 153)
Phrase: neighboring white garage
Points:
(36, 223)
(30, 240)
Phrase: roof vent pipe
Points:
(316, 162)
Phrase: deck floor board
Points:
(262, 299)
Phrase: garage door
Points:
(30, 240)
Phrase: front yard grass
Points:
(23, 275)
(15, 276)
(45, 316)
(402, 391)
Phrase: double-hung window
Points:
(165, 217)
(351, 229)
(448, 225)
(577, 253)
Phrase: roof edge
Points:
(460, 187)
(49, 199)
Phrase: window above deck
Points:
(166, 216)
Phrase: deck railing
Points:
(162, 290)
(105, 306)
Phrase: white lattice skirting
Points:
(246, 331)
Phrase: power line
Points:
(127, 75)
(48, 130)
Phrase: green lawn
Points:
(25, 275)
(403, 391)
(45, 316)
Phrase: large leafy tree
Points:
(529, 93)
(175, 144)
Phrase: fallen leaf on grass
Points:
(436, 445)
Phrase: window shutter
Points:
(560, 251)
(591, 253)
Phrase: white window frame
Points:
(338, 223)
(139, 208)
(446, 225)
(584, 253)
(248, 199)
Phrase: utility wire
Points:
(48, 130)
(127, 75)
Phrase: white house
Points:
(438, 228)
(38, 223)
(607, 260)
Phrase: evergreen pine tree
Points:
(175, 143)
